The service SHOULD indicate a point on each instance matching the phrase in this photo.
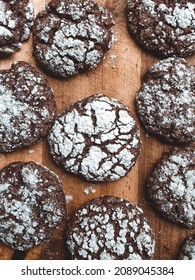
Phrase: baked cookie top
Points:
(71, 36)
(27, 106)
(16, 20)
(32, 204)
(187, 250)
(165, 28)
(166, 100)
(97, 138)
(109, 228)
(171, 186)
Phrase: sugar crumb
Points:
(68, 197)
(89, 190)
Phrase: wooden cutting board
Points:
(118, 76)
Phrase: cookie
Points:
(109, 228)
(164, 28)
(187, 250)
(16, 20)
(171, 186)
(166, 101)
(27, 106)
(71, 36)
(96, 138)
(32, 204)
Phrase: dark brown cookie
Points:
(16, 20)
(32, 204)
(171, 186)
(96, 138)
(166, 100)
(27, 106)
(187, 250)
(109, 228)
(71, 36)
(164, 28)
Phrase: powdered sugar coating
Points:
(71, 36)
(27, 106)
(32, 204)
(187, 250)
(166, 100)
(109, 228)
(96, 138)
(164, 27)
(16, 20)
(171, 186)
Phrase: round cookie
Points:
(27, 106)
(166, 101)
(96, 138)
(16, 20)
(32, 204)
(165, 28)
(171, 186)
(187, 250)
(109, 228)
(71, 36)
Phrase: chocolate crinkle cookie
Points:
(164, 28)
(27, 106)
(32, 204)
(187, 250)
(71, 36)
(166, 101)
(109, 228)
(96, 138)
(16, 21)
(171, 186)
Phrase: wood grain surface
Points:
(118, 76)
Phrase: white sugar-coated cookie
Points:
(187, 249)
(16, 20)
(166, 100)
(71, 36)
(27, 106)
(109, 228)
(96, 138)
(165, 28)
(32, 204)
(171, 186)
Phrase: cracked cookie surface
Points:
(187, 250)
(96, 138)
(164, 28)
(166, 100)
(71, 36)
(109, 228)
(32, 204)
(171, 186)
(27, 106)
(16, 21)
